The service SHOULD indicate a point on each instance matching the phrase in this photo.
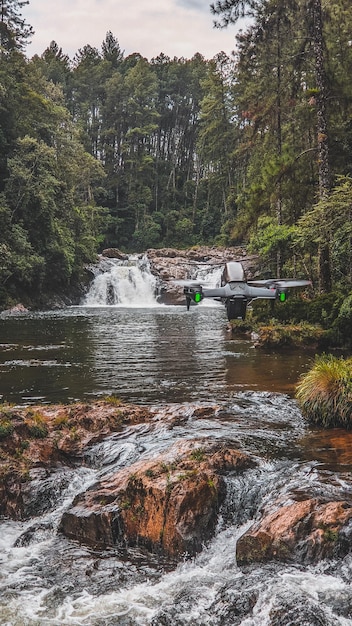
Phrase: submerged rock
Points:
(168, 504)
(305, 531)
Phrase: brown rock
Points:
(169, 504)
(114, 253)
(306, 531)
(170, 265)
(46, 436)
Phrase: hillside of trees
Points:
(110, 150)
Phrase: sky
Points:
(175, 27)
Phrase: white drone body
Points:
(236, 292)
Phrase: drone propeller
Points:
(190, 283)
(279, 283)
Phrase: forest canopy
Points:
(107, 150)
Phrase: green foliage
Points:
(14, 31)
(118, 151)
(113, 400)
(324, 393)
(198, 454)
(6, 428)
(340, 329)
(277, 335)
(269, 238)
(329, 223)
(37, 427)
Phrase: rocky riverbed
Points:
(168, 503)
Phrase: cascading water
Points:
(130, 283)
(48, 580)
(180, 363)
(123, 283)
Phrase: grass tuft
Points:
(325, 392)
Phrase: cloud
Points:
(174, 27)
(200, 5)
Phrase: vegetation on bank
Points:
(111, 150)
(324, 393)
(323, 321)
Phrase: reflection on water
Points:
(332, 448)
(153, 355)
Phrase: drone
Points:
(236, 292)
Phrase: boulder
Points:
(169, 504)
(171, 265)
(305, 531)
(114, 253)
(51, 436)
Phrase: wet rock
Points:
(231, 605)
(168, 504)
(297, 611)
(35, 534)
(36, 440)
(17, 309)
(114, 253)
(170, 265)
(306, 531)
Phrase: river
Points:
(175, 361)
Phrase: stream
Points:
(175, 361)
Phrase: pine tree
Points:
(14, 31)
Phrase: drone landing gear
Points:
(236, 308)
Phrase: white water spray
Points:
(123, 283)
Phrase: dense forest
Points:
(110, 150)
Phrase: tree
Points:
(232, 10)
(14, 31)
(310, 30)
(216, 146)
(329, 224)
(55, 65)
(111, 50)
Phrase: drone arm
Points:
(216, 292)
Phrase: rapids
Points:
(176, 362)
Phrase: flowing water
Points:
(174, 361)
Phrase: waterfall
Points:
(130, 283)
(209, 275)
(127, 283)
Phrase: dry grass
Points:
(325, 392)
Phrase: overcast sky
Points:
(174, 27)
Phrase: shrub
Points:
(114, 400)
(6, 428)
(341, 329)
(278, 335)
(325, 392)
(36, 425)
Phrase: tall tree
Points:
(311, 32)
(316, 29)
(216, 146)
(111, 50)
(14, 31)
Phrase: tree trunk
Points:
(279, 139)
(316, 20)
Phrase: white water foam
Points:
(124, 284)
